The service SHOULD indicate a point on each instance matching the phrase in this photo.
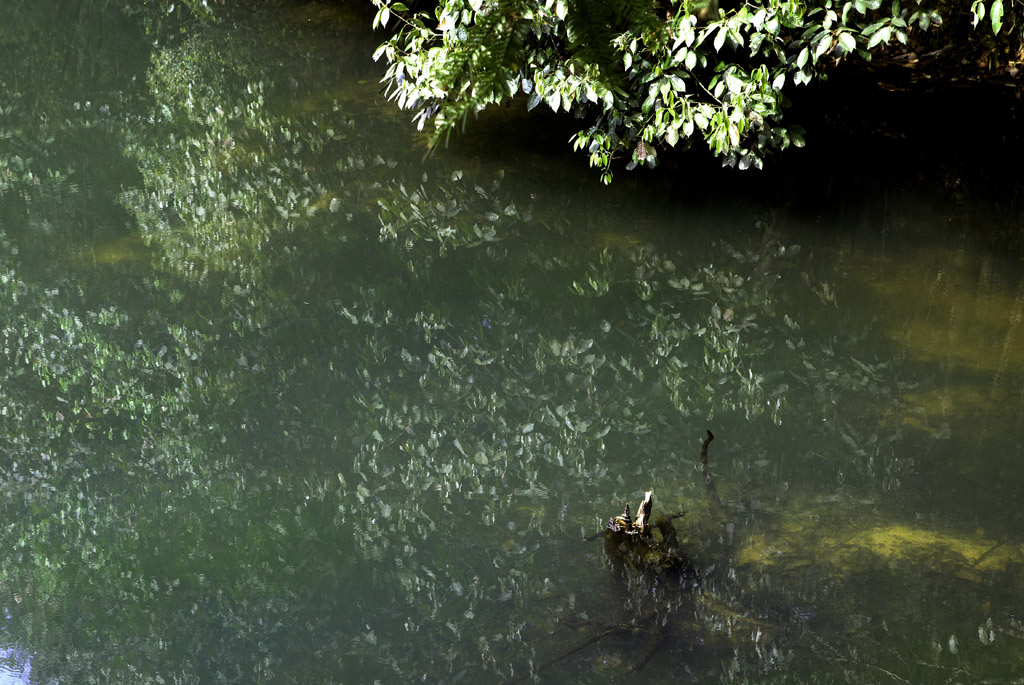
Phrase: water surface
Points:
(282, 400)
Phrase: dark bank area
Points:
(959, 142)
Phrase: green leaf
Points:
(720, 38)
(822, 46)
(995, 15)
(847, 42)
(672, 136)
(924, 20)
(802, 58)
(882, 35)
(554, 100)
(978, 10)
(755, 43)
(533, 101)
(649, 102)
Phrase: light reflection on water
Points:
(328, 412)
(14, 668)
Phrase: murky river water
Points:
(282, 401)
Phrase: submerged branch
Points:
(708, 482)
(614, 629)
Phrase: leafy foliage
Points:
(995, 11)
(644, 76)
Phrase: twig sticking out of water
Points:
(708, 482)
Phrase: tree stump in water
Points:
(636, 545)
(643, 555)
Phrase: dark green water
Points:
(284, 402)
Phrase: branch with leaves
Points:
(642, 76)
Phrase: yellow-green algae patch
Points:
(798, 542)
(969, 556)
(951, 307)
(962, 313)
(982, 406)
(127, 249)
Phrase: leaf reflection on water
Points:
(346, 416)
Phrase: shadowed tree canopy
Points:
(645, 76)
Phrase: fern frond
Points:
(592, 25)
(480, 62)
